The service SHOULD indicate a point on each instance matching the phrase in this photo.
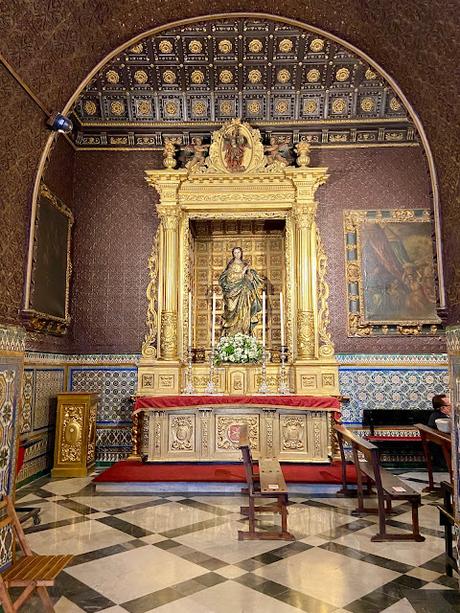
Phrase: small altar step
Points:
(214, 477)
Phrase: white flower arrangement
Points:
(238, 349)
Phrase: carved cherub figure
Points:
(198, 154)
(276, 152)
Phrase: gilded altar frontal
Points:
(237, 199)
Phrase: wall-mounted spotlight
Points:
(59, 123)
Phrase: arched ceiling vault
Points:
(289, 80)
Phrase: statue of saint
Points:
(235, 145)
(241, 287)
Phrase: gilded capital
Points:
(304, 216)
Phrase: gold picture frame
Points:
(390, 272)
(46, 307)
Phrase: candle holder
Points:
(189, 390)
(284, 381)
(211, 386)
(263, 387)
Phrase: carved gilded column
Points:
(169, 223)
(305, 272)
(306, 181)
(167, 183)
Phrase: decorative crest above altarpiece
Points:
(240, 179)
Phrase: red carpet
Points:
(232, 473)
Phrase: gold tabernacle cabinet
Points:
(237, 197)
(75, 442)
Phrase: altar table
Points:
(203, 428)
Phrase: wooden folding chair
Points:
(32, 572)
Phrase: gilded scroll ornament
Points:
(72, 427)
(326, 347)
(149, 349)
(293, 433)
(228, 431)
(395, 105)
(168, 336)
(305, 334)
(181, 433)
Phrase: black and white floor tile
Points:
(174, 553)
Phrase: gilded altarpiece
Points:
(269, 209)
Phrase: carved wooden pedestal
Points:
(75, 443)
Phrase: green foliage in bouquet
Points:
(238, 349)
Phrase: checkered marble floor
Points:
(141, 553)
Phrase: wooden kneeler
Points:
(268, 483)
(30, 571)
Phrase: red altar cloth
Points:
(327, 403)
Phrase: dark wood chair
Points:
(444, 441)
(30, 571)
(389, 487)
(268, 482)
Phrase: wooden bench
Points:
(268, 482)
(443, 440)
(32, 572)
(388, 486)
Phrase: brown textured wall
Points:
(115, 226)
(113, 236)
(54, 45)
(365, 179)
(23, 137)
(59, 177)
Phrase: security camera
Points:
(59, 123)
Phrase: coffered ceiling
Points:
(291, 82)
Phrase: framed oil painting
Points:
(390, 272)
(46, 306)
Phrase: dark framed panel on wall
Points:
(390, 272)
(46, 306)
